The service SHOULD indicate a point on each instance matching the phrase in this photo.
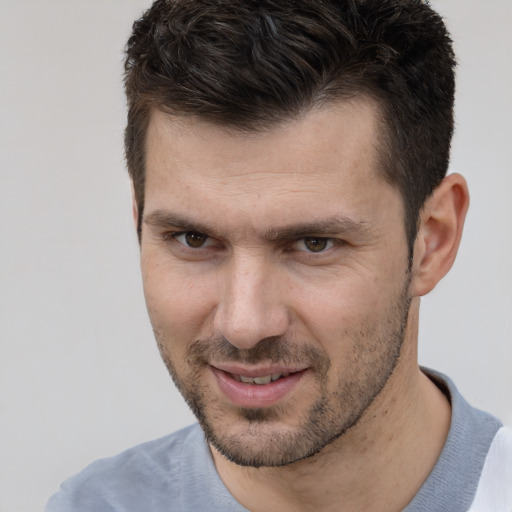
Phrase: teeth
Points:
(263, 380)
(266, 379)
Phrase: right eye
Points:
(193, 239)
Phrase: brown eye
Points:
(194, 239)
(314, 244)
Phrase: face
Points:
(276, 277)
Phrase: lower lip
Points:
(251, 396)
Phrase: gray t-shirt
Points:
(176, 473)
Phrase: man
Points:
(288, 161)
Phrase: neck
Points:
(379, 464)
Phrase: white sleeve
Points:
(494, 491)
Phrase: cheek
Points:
(346, 320)
(178, 308)
(340, 305)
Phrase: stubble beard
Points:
(266, 439)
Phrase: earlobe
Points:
(439, 234)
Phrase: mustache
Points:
(275, 349)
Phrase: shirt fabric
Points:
(176, 473)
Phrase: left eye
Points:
(192, 239)
(314, 244)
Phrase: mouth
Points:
(256, 387)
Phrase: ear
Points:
(439, 234)
(135, 208)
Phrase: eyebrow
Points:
(337, 225)
(166, 219)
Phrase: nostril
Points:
(250, 306)
(245, 328)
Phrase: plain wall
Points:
(80, 376)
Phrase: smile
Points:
(256, 388)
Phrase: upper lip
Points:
(261, 370)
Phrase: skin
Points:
(282, 251)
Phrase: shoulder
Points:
(126, 481)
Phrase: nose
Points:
(251, 306)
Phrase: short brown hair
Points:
(250, 64)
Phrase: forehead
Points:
(323, 163)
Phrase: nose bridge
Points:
(251, 305)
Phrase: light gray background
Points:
(80, 377)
